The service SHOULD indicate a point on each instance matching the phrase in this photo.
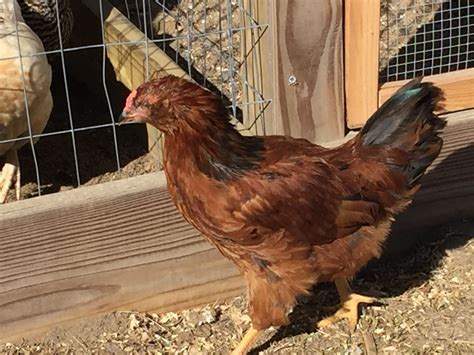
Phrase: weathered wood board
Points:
(308, 70)
(257, 66)
(118, 245)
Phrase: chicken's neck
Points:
(218, 151)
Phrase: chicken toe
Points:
(10, 174)
(349, 307)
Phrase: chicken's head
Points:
(147, 104)
(173, 103)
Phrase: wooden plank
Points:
(447, 191)
(458, 87)
(133, 58)
(127, 50)
(361, 59)
(122, 245)
(308, 62)
(257, 65)
(114, 246)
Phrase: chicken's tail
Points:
(407, 121)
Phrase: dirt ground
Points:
(427, 308)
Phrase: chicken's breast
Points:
(35, 79)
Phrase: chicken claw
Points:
(10, 173)
(349, 308)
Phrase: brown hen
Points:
(287, 212)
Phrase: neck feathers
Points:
(217, 149)
(200, 135)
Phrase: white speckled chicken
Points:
(16, 38)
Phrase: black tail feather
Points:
(407, 121)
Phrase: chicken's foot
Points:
(349, 307)
(246, 342)
(10, 173)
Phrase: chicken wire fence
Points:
(425, 37)
(216, 43)
(81, 143)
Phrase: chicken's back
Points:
(31, 74)
(382, 166)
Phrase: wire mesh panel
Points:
(425, 37)
(211, 40)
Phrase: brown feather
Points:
(287, 212)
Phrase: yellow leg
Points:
(349, 305)
(246, 342)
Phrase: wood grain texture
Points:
(257, 65)
(307, 40)
(458, 87)
(116, 246)
(122, 245)
(361, 59)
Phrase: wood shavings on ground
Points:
(428, 307)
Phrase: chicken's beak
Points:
(131, 117)
(123, 118)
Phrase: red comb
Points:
(130, 98)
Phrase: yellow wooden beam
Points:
(458, 88)
(361, 64)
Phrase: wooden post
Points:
(361, 48)
(257, 70)
(307, 63)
